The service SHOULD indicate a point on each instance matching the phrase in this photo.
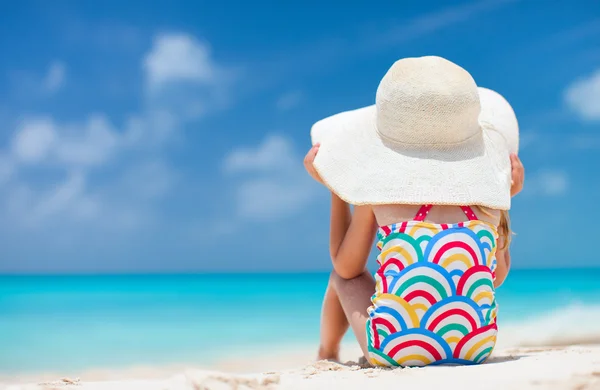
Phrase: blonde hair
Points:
(504, 231)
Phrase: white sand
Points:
(576, 367)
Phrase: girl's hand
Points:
(518, 175)
(308, 163)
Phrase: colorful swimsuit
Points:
(434, 298)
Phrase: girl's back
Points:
(434, 299)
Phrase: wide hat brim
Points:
(363, 169)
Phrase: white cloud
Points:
(554, 183)
(326, 54)
(55, 78)
(122, 201)
(34, 140)
(90, 143)
(39, 140)
(62, 201)
(585, 141)
(6, 169)
(274, 184)
(182, 79)
(406, 30)
(572, 35)
(178, 58)
(76, 180)
(95, 141)
(154, 127)
(151, 179)
(547, 183)
(437, 20)
(274, 153)
(583, 97)
(274, 198)
(62, 197)
(289, 100)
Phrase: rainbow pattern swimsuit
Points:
(434, 297)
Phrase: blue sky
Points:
(137, 138)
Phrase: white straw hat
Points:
(421, 143)
(498, 115)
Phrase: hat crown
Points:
(427, 101)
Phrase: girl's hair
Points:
(504, 231)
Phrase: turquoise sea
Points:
(56, 323)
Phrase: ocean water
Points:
(59, 323)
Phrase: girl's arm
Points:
(351, 237)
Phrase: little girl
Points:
(436, 178)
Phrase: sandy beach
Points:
(569, 367)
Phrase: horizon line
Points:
(247, 272)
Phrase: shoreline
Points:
(557, 367)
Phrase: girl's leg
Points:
(333, 325)
(354, 297)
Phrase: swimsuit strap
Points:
(469, 213)
(424, 210)
(422, 213)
